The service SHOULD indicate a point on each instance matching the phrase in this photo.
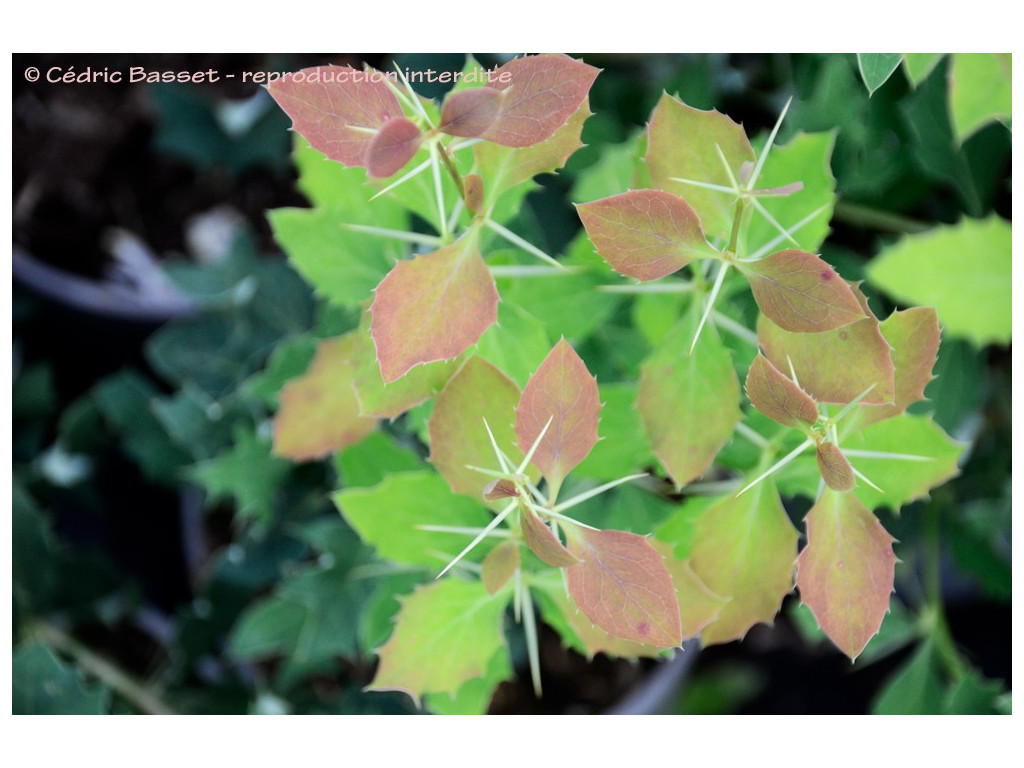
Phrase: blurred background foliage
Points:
(165, 560)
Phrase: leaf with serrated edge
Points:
(645, 233)
(337, 109)
(540, 93)
(834, 366)
(393, 146)
(445, 634)
(388, 517)
(903, 481)
(914, 336)
(845, 573)
(777, 396)
(319, 410)
(801, 293)
(835, 467)
(622, 585)
(744, 548)
(563, 391)
(698, 605)
(507, 167)
(542, 541)
(499, 566)
(479, 392)
(681, 144)
(471, 112)
(689, 402)
(432, 307)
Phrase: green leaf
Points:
(517, 344)
(622, 445)
(373, 458)
(845, 573)
(974, 695)
(622, 585)
(479, 392)
(682, 144)
(875, 68)
(539, 94)
(615, 170)
(914, 336)
(337, 109)
(43, 685)
(916, 688)
(319, 410)
(920, 65)
(248, 472)
(645, 233)
(834, 366)
(474, 696)
(499, 566)
(903, 481)
(689, 402)
(777, 396)
(445, 635)
(801, 293)
(563, 392)
(388, 517)
(963, 271)
(807, 159)
(698, 605)
(981, 90)
(432, 307)
(744, 548)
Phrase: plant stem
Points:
(945, 647)
(872, 218)
(139, 694)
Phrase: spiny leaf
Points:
(903, 481)
(801, 293)
(698, 605)
(507, 167)
(319, 410)
(777, 396)
(835, 467)
(394, 145)
(689, 402)
(622, 585)
(387, 517)
(474, 697)
(744, 548)
(499, 566)
(479, 392)
(471, 112)
(963, 271)
(432, 307)
(542, 541)
(645, 233)
(337, 109)
(540, 93)
(834, 366)
(562, 391)
(914, 337)
(682, 144)
(248, 472)
(445, 635)
(845, 573)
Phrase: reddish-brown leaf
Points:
(645, 233)
(392, 147)
(622, 585)
(801, 293)
(473, 192)
(542, 541)
(698, 605)
(336, 109)
(563, 391)
(319, 411)
(777, 396)
(500, 489)
(845, 573)
(914, 336)
(458, 435)
(540, 93)
(834, 366)
(471, 112)
(835, 468)
(432, 307)
(499, 566)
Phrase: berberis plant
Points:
(628, 526)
